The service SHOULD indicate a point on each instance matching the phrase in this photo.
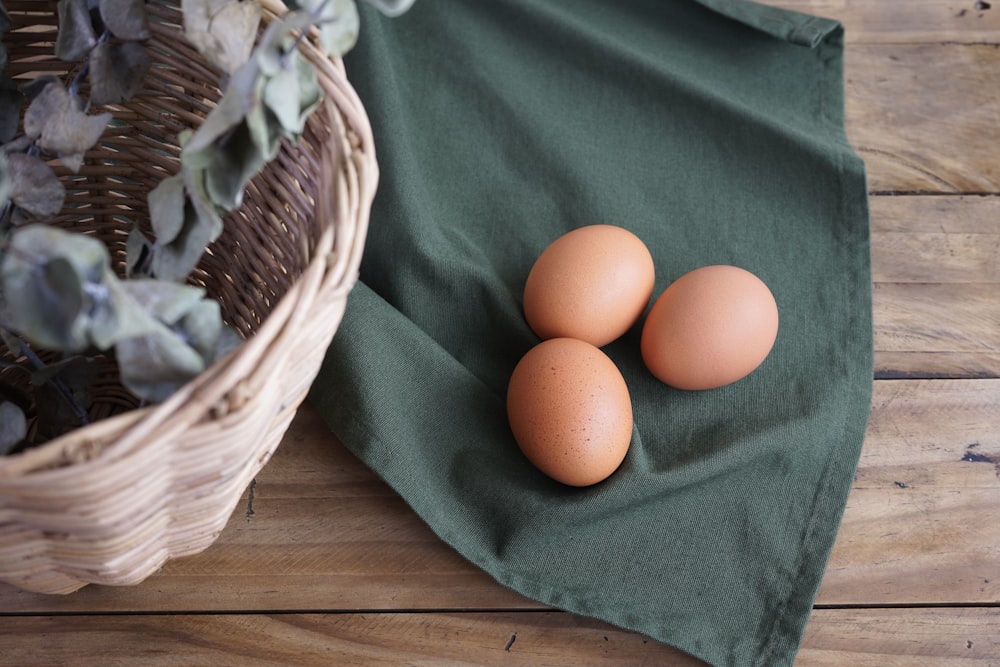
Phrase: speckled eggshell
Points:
(570, 411)
(709, 328)
(592, 283)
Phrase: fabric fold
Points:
(795, 27)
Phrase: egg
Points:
(710, 327)
(592, 283)
(570, 411)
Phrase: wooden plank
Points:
(935, 239)
(936, 268)
(925, 117)
(345, 640)
(918, 526)
(932, 637)
(913, 21)
(833, 637)
(951, 326)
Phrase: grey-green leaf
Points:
(137, 251)
(223, 31)
(117, 71)
(293, 94)
(235, 163)
(54, 117)
(338, 21)
(115, 315)
(154, 367)
(126, 19)
(50, 279)
(76, 32)
(167, 302)
(183, 226)
(13, 426)
(176, 259)
(240, 98)
(166, 208)
(202, 327)
(33, 186)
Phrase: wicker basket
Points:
(110, 503)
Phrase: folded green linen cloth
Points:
(714, 131)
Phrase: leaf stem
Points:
(74, 85)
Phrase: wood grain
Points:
(935, 239)
(944, 138)
(918, 526)
(936, 269)
(833, 638)
(905, 22)
(343, 640)
(933, 637)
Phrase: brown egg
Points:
(709, 328)
(570, 411)
(592, 283)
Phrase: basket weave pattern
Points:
(111, 502)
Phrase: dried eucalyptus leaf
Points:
(51, 279)
(293, 94)
(47, 103)
(33, 186)
(240, 98)
(235, 141)
(183, 227)
(338, 36)
(154, 367)
(233, 165)
(11, 101)
(117, 71)
(116, 316)
(137, 252)
(166, 301)
(202, 326)
(54, 118)
(76, 31)
(338, 21)
(223, 31)
(392, 7)
(13, 426)
(176, 259)
(48, 312)
(126, 19)
(166, 208)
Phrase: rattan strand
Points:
(110, 503)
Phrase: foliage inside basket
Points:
(59, 291)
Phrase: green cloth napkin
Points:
(714, 131)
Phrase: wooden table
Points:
(332, 568)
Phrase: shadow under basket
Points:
(111, 502)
